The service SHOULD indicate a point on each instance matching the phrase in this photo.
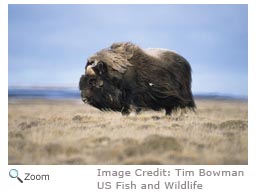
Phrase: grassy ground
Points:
(70, 132)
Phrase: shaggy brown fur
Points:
(153, 78)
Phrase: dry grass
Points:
(69, 132)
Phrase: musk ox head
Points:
(100, 94)
(89, 87)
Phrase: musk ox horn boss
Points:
(125, 76)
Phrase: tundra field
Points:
(70, 132)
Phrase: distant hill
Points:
(48, 93)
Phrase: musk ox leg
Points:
(168, 111)
(138, 110)
(125, 111)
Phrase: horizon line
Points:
(72, 87)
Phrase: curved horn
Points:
(90, 71)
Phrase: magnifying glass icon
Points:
(13, 173)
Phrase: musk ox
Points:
(124, 75)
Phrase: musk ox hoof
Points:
(156, 117)
(125, 112)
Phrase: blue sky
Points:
(49, 44)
